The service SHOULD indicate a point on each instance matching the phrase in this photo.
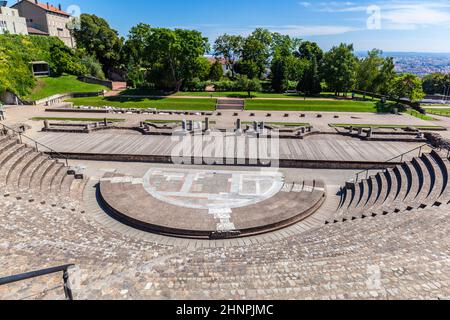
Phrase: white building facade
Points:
(11, 22)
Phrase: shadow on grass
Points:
(143, 92)
(120, 99)
(389, 107)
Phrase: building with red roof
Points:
(46, 19)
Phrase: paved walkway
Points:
(325, 148)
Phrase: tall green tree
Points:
(174, 55)
(229, 47)
(216, 71)
(284, 65)
(375, 73)
(437, 83)
(135, 47)
(407, 86)
(309, 50)
(311, 56)
(100, 40)
(339, 68)
(256, 53)
(310, 83)
(248, 85)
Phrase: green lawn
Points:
(235, 94)
(285, 124)
(50, 86)
(419, 115)
(76, 119)
(385, 126)
(318, 105)
(146, 103)
(238, 95)
(440, 112)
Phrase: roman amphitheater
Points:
(338, 212)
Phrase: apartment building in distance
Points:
(45, 19)
(10, 20)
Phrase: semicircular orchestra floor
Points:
(209, 204)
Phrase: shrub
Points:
(93, 67)
(196, 85)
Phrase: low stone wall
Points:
(10, 98)
(283, 163)
(106, 83)
(58, 98)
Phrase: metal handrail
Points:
(366, 171)
(36, 143)
(44, 272)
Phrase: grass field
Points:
(244, 95)
(440, 112)
(330, 106)
(146, 103)
(235, 94)
(76, 119)
(385, 126)
(50, 86)
(419, 115)
(285, 124)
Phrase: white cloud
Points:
(311, 30)
(305, 4)
(414, 15)
(398, 14)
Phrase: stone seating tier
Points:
(405, 254)
(423, 182)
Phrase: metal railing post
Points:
(67, 286)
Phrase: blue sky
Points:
(399, 25)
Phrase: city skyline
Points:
(392, 26)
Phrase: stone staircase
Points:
(420, 183)
(230, 104)
(32, 176)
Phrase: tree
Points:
(339, 69)
(229, 48)
(437, 83)
(280, 81)
(100, 41)
(203, 68)
(248, 85)
(375, 73)
(309, 57)
(285, 67)
(310, 50)
(64, 61)
(386, 76)
(136, 45)
(174, 55)
(216, 71)
(407, 86)
(256, 53)
(310, 83)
